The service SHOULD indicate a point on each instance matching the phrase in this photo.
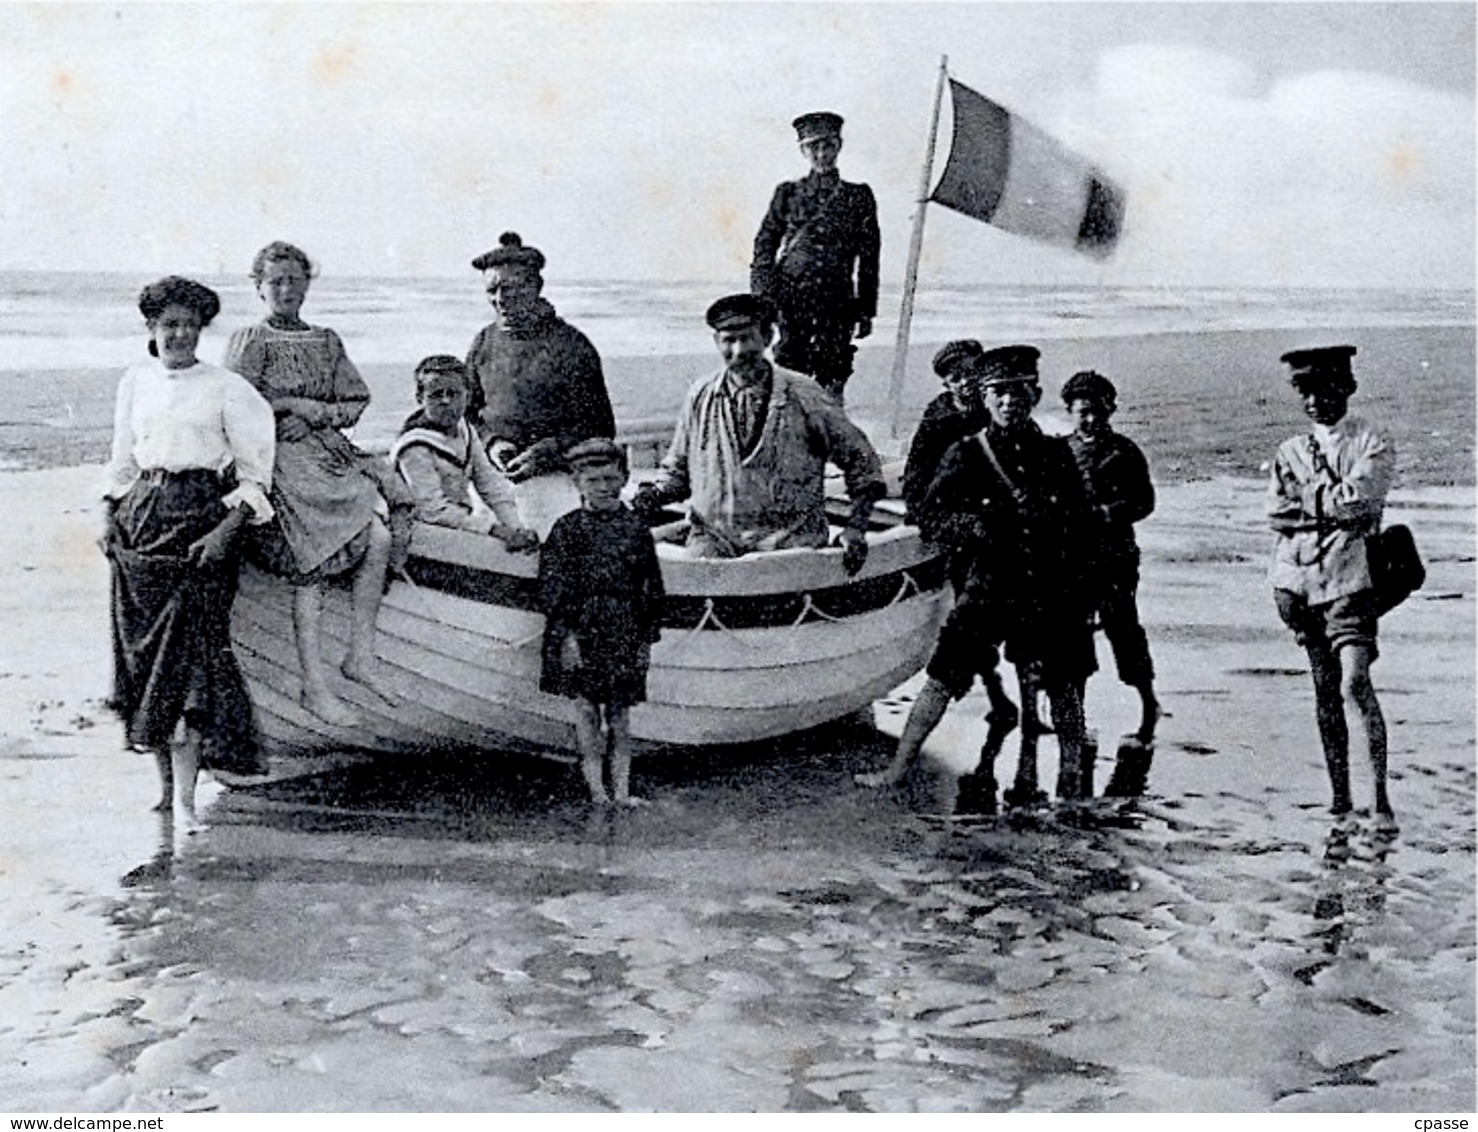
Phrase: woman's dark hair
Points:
(176, 290)
(281, 250)
(439, 363)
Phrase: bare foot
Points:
(329, 708)
(631, 801)
(368, 677)
(1385, 822)
(1023, 795)
(186, 822)
(1146, 732)
(600, 799)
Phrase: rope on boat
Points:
(903, 590)
(710, 617)
(809, 608)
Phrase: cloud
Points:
(1324, 178)
(643, 140)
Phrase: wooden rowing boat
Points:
(751, 648)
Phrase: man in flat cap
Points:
(816, 258)
(537, 384)
(1328, 492)
(1007, 505)
(751, 447)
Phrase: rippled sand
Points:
(465, 935)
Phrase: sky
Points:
(1257, 143)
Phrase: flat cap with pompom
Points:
(510, 249)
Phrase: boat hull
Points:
(751, 648)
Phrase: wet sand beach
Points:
(463, 934)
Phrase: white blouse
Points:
(200, 417)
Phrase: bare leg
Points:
(360, 664)
(1359, 695)
(184, 768)
(1002, 712)
(308, 626)
(164, 760)
(1150, 712)
(1023, 789)
(1031, 711)
(1067, 720)
(591, 740)
(618, 722)
(1334, 733)
(923, 717)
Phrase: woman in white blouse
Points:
(193, 447)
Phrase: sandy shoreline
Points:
(767, 937)
(1201, 404)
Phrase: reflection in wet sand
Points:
(447, 935)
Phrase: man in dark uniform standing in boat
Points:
(816, 259)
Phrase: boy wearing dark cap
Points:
(537, 384)
(816, 258)
(1327, 494)
(1008, 506)
(1116, 478)
(956, 413)
(751, 447)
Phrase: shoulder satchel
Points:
(1396, 569)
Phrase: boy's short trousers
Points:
(1349, 620)
(969, 646)
(962, 654)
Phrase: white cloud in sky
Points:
(643, 140)
(1328, 177)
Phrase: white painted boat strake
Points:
(751, 648)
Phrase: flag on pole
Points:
(1006, 172)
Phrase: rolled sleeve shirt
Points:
(773, 485)
(1328, 491)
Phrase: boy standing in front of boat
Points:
(600, 587)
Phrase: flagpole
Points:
(915, 248)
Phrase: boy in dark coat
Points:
(600, 587)
(1116, 478)
(1008, 506)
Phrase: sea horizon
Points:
(69, 319)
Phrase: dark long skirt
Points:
(172, 655)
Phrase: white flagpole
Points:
(915, 247)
